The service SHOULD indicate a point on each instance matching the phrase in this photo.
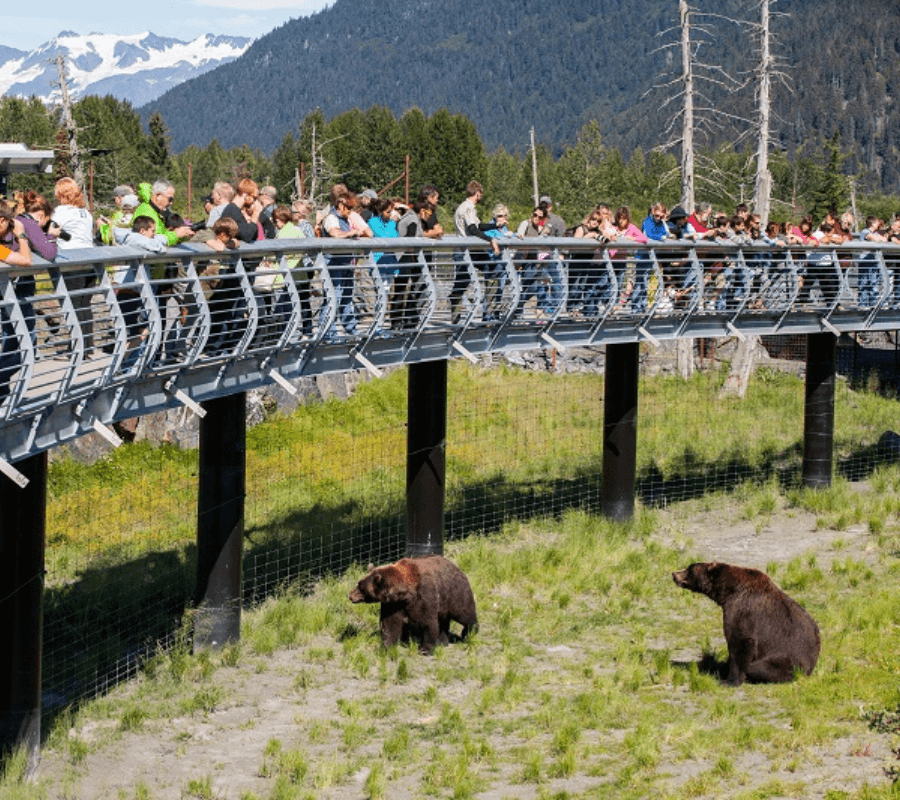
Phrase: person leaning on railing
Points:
(336, 225)
(34, 214)
(76, 232)
(283, 218)
(12, 228)
(626, 231)
(867, 263)
(531, 273)
(405, 301)
(467, 223)
(10, 350)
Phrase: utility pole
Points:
(314, 173)
(298, 182)
(69, 121)
(534, 175)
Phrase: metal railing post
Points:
(620, 403)
(818, 417)
(22, 538)
(426, 457)
(220, 521)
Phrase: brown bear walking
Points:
(769, 634)
(428, 592)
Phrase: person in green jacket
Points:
(155, 203)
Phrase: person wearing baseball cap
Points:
(557, 223)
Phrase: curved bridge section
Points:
(115, 332)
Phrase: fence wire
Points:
(326, 483)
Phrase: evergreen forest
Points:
(369, 149)
(555, 65)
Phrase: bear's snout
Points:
(356, 596)
(680, 578)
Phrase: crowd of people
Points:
(245, 213)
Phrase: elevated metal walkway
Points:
(113, 333)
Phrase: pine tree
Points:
(832, 190)
(579, 174)
(503, 179)
(414, 143)
(158, 145)
(113, 142)
(285, 163)
(210, 166)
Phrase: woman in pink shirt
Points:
(626, 231)
(803, 233)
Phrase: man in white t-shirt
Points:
(466, 222)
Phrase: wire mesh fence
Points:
(326, 484)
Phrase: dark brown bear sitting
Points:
(769, 634)
(427, 592)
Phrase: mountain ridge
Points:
(554, 65)
(135, 67)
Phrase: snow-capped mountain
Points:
(137, 68)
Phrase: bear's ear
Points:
(371, 567)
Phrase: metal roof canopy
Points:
(16, 157)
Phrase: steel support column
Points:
(220, 521)
(620, 403)
(426, 457)
(818, 417)
(22, 529)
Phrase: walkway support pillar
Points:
(620, 403)
(426, 440)
(22, 537)
(220, 521)
(818, 418)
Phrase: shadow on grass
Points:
(102, 625)
(707, 665)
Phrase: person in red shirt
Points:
(700, 221)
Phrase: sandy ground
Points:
(264, 704)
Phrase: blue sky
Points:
(183, 20)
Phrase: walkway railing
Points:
(113, 333)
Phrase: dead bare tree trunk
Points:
(742, 364)
(684, 357)
(69, 122)
(684, 349)
(534, 175)
(762, 190)
(687, 123)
